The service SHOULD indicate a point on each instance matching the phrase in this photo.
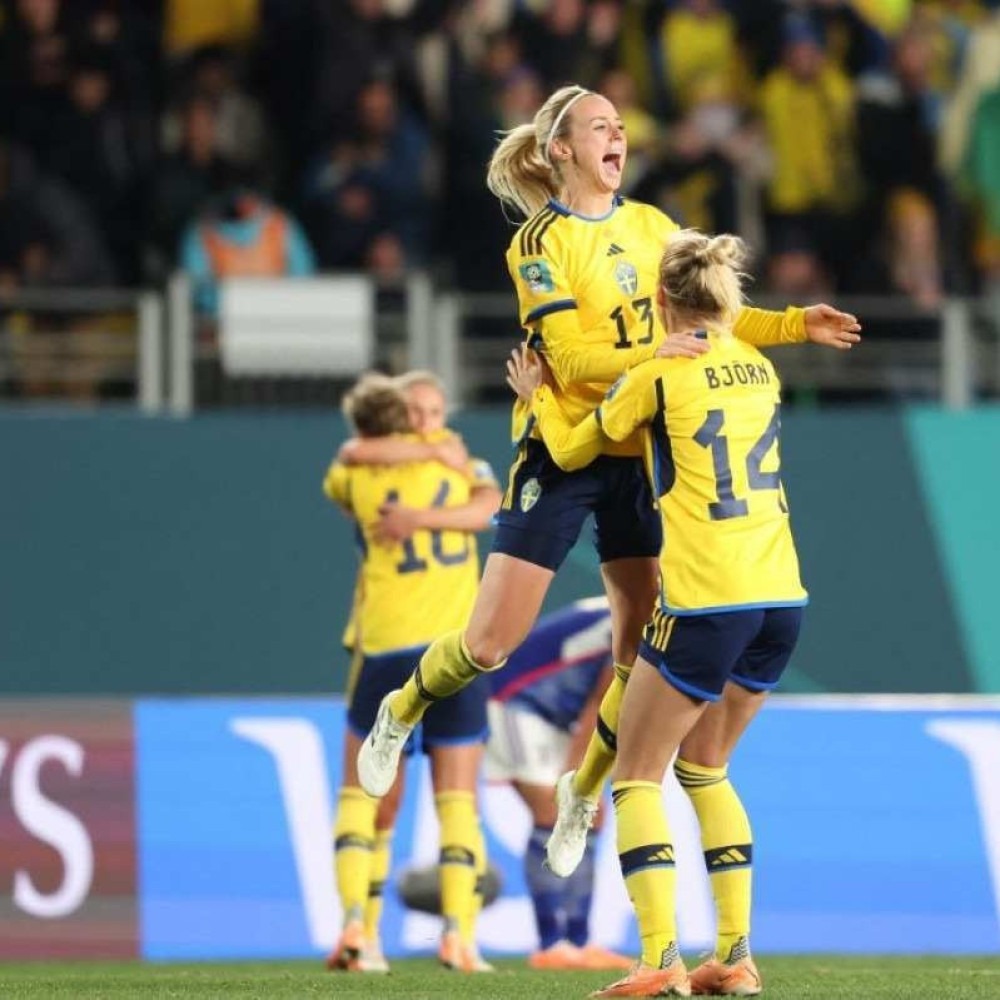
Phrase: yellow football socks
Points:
(354, 842)
(460, 840)
(467, 923)
(597, 762)
(445, 667)
(646, 856)
(377, 876)
(727, 841)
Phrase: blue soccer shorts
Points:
(698, 653)
(453, 721)
(544, 509)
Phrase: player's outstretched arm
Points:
(830, 327)
(820, 324)
(397, 450)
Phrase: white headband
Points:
(558, 122)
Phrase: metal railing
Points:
(73, 343)
(57, 343)
(948, 354)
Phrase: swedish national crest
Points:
(626, 277)
(530, 492)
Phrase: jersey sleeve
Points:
(630, 402)
(571, 446)
(768, 328)
(542, 286)
(548, 311)
(337, 484)
(481, 474)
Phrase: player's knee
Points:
(693, 775)
(487, 652)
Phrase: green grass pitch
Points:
(785, 978)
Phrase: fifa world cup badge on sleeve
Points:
(530, 492)
(537, 276)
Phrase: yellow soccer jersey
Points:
(593, 283)
(479, 473)
(413, 591)
(711, 450)
(586, 291)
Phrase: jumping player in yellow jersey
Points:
(585, 269)
(729, 610)
(396, 615)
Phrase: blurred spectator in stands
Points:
(385, 260)
(48, 239)
(102, 154)
(794, 269)
(241, 235)
(897, 115)
(48, 236)
(128, 32)
(980, 180)
(851, 41)
(969, 143)
(947, 25)
(696, 176)
(184, 181)
(519, 97)
(807, 110)
(697, 40)
(359, 42)
(486, 90)
(240, 131)
(34, 65)
(567, 41)
(641, 127)
(191, 24)
(375, 180)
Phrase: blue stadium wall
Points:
(145, 556)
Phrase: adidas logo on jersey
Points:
(615, 249)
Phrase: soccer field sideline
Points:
(785, 977)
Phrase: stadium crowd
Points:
(853, 139)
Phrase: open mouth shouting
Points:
(611, 166)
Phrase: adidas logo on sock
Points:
(669, 955)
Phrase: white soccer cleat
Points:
(372, 959)
(568, 841)
(378, 758)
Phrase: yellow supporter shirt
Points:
(409, 593)
(710, 428)
(809, 128)
(586, 291)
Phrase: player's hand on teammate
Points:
(682, 345)
(451, 451)
(526, 371)
(396, 523)
(831, 327)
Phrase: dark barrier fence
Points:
(142, 555)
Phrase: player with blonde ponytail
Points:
(585, 267)
(729, 612)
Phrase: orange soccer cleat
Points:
(720, 979)
(561, 955)
(644, 981)
(452, 954)
(347, 954)
(594, 956)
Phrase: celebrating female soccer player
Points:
(412, 553)
(729, 613)
(585, 269)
